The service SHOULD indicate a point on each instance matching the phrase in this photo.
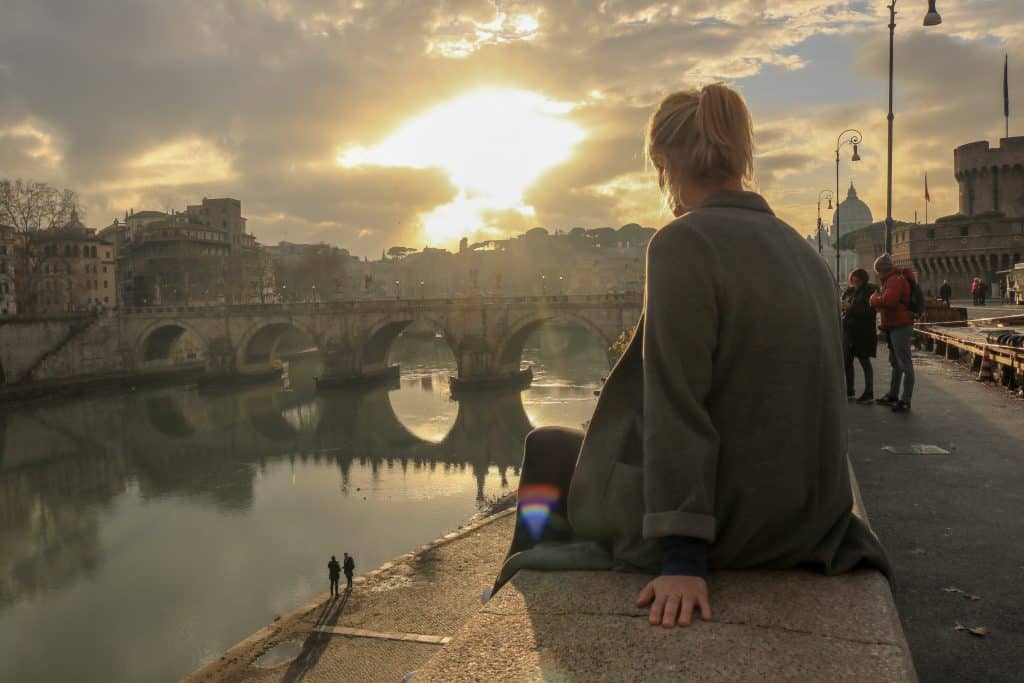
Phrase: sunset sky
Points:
(369, 124)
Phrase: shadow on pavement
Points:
(316, 642)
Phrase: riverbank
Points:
(396, 617)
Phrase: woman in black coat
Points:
(860, 333)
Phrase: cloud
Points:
(156, 104)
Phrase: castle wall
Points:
(991, 179)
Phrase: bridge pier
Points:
(345, 367)
(480, 368)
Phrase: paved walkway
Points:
(391, 623)
(952, 522)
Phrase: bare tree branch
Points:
(28, 206)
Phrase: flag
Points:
(1006, 86)
(927, 197)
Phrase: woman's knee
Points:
(550, 451)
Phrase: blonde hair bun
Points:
(701, 135)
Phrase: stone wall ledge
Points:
(792, 625)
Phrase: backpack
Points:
(917, 303)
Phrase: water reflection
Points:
(180, 521)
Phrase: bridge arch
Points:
(510, 351)
(258, 348)
(159, 340)
(381, 337)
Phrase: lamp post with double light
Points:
(931, 18)
(850, 136)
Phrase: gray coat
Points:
(725, 417)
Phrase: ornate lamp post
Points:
(850, 136)
(823, 193)
(932, 18)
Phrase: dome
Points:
(852, 213)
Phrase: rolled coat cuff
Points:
(678, 523)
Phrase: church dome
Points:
(852, 213)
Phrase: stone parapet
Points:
(792, 625)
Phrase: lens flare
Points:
(536, 501)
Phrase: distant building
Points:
(580, 261)
(8, 293)
(199, 256)
(310, 272)
(67, 268)
(850, 215)
(985, 236)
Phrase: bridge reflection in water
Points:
(194, 517)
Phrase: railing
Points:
(626, 298)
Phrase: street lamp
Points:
(850, 136)
(931, 18)
(823, 193)
(397, 285)
(561, 284)
(543, 285)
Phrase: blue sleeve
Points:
(684, 556)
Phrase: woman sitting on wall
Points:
(719, 439)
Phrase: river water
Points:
(144, 533)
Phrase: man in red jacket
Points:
(893, 302)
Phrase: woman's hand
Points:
(674, 598)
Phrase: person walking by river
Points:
(860, 333)
(721, 389)
(334, 573)
(945, 292)
(350, 569)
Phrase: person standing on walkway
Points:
(945, 292)
(722, 388)
(350, 568)
(334, 572)
(860, 333)
(893, 302)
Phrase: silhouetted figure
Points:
(334, 572)
(350, 568)
(945, 291)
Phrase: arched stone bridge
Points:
(486, 334)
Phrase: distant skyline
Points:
(369, 124)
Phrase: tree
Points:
(399, 252)
(28, 206)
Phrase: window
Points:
(963, 231)
(104, 269)
(104, 284)
(931, 233)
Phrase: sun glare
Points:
(493, 144)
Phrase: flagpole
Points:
(1006, 92)
(927, 198)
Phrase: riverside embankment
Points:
(393, 621)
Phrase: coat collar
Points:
(737, 200)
